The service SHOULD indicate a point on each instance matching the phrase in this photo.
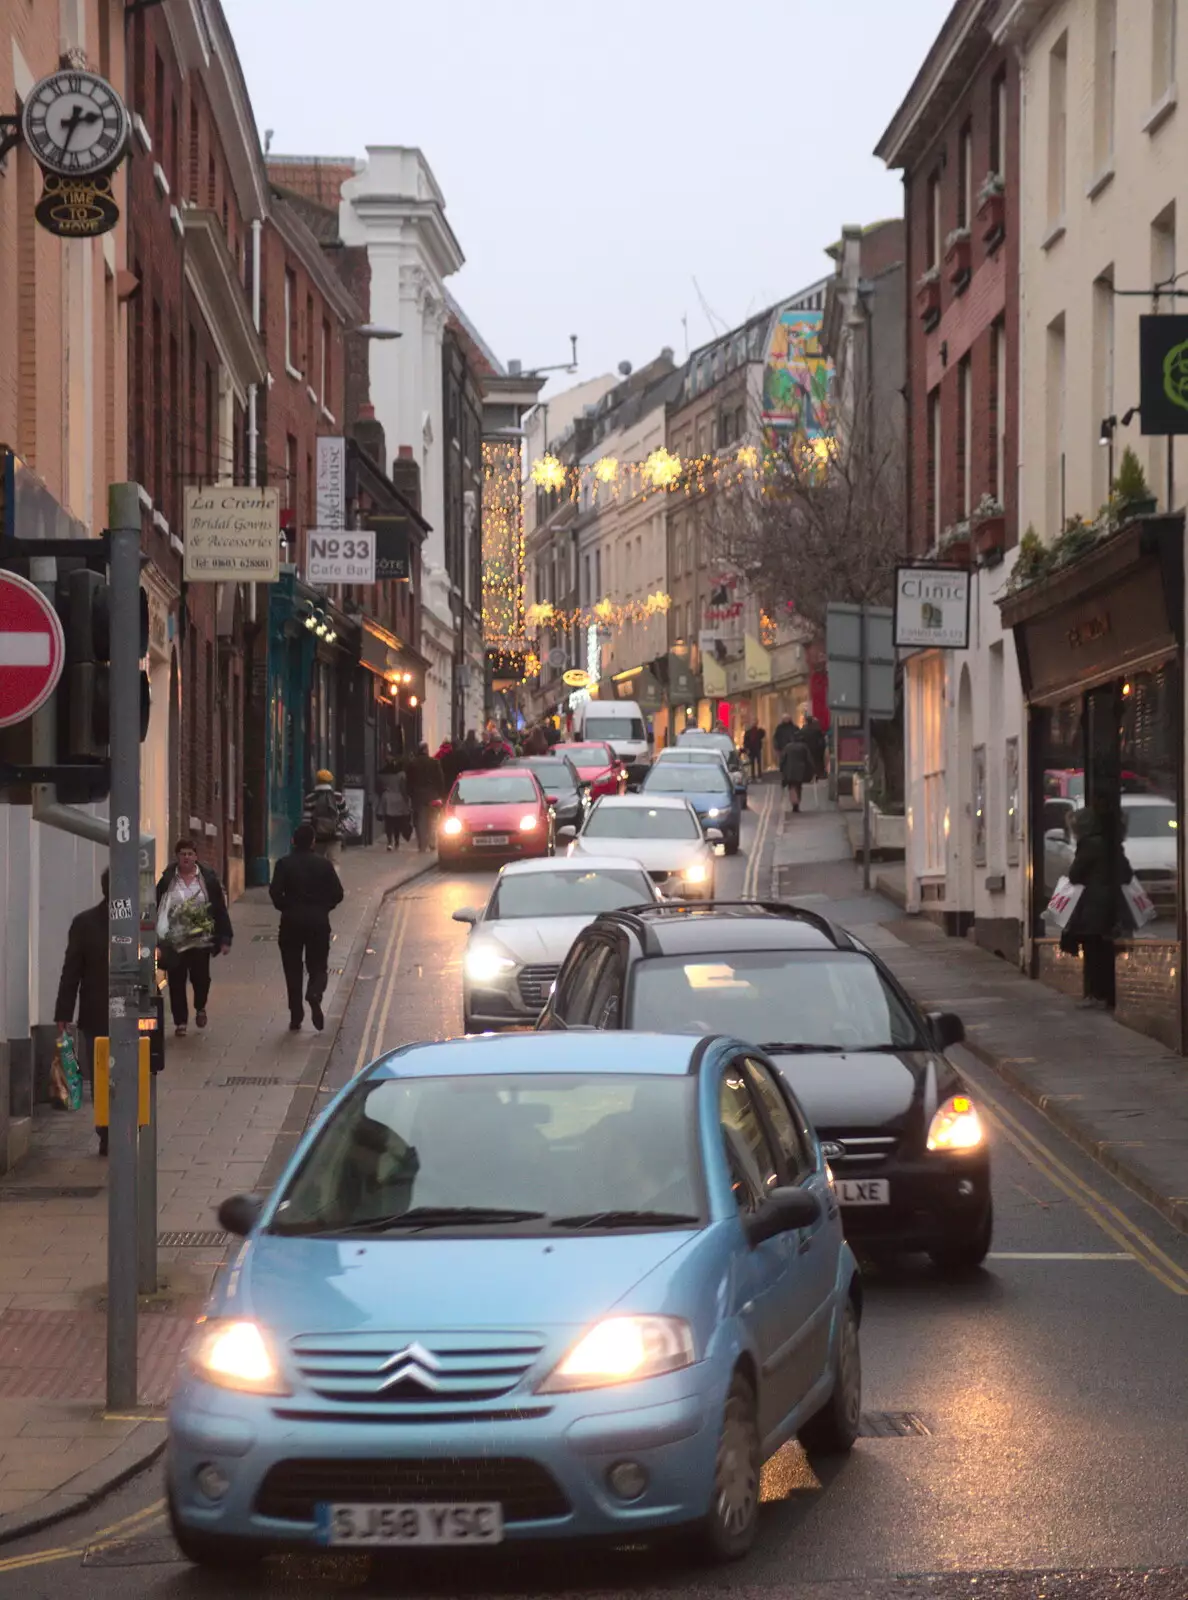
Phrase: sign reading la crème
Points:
(232, 535)
(931, 608)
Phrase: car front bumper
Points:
(934, 1200)
(546, 1462)
(520, 847)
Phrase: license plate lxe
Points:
(363, 1526)
(863, 1191)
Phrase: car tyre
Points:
(958, 1256)
(732, 846)
(832, 1431)
(729, 1527)
(223, 1553)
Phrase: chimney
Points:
(406, 475)
(369, 436)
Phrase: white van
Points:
(621, 724)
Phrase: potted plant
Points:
(992, 209)
(928, 297)
(1077, 536)
(989, 528)
(1034, 561)
(953, 544)
(1131, 488)
(958, 257)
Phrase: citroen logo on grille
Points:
(413, 1364)
(832, 1151)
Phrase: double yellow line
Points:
(381, 999)
(1115, 1224)
(116, 1533)
(750, 884)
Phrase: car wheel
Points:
(832, 1431)
(212, 1549)
(732, 846)
(965, 1255)
(728, 1530)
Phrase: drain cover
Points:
(196, 1239)
(252, 1083)
(893, 1425)
(55, 1192)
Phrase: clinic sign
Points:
(931, 608)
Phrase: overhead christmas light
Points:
(548, 473)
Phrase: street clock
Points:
(75, 124)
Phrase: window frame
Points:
(758, 1070)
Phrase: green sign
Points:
(1163, 364)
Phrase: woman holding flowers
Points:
(193, 925)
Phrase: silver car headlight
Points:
(486, 962)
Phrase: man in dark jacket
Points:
(753, 745)
(425, 785)
(785, 732)
(796, 768)
(305, 889)
(84, 980)
(813, 735)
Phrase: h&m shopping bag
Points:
(1063, 902)
(1142, 907)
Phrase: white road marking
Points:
(1061, 1255)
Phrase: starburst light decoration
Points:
(548, 473)
(606, 469)
(662, 468)
(604, 610)
(748, 457)
(538, 614)
(657, 603)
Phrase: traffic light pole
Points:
(126, 1000)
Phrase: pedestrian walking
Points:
(813, 735)
(84, 983)
(326, 810)
(425, 786)
(472, 752)
(796, 769)
(305, 889)
(393, 805)
(753, 745)
(786, 731)
(536, 743)
(1101, 916)
(193, 925)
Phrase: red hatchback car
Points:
(498, 814)
(598, 765)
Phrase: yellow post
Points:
(103, 1083)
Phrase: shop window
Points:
(978, 801)
(930, 719)
(1012, 801)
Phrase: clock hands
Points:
(74, 121)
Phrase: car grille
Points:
(860, 1151)
(535, 983)
(292, 1490)
(395, 1369)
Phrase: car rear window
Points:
(616, 728)
(671, 777)
(502, 790)
(640, 822)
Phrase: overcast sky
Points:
(615, 170)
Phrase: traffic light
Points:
(84, 697)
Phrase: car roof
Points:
(649, 802)
(679, 753)
(665, 1055)
(675, 928)
(574, 864)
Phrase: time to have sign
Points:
(232, 535)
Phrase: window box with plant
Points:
(928, 297)
(1132, 494)
(953, 545)
(992, 210)
(989, 529)
(958, 258)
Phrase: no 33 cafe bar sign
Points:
(77, 127)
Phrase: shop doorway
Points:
(963, 821)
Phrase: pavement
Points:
(1120, 1095)
(232, 1101)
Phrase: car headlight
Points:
(235, 1355)
(451, 825)
(527, 824)
(623, 1350)
(713, 812)
(695, 874)
(956, 1126)
(484, 962)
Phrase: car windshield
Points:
(616, 728)
(568, 894)
(590, 755)
(721, 742)
(1150, 822)
(499, 1153)
(836, 999)
(672, 778)
(640, 822)
(502, 790)
(555, 777)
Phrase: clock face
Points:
(75, 124)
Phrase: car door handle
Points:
(806, 1244)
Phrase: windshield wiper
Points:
(623, 1219)
(425, 1217)
(783, 1048)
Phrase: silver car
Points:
(520, 938)
(661, 833)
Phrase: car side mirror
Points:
(947, 1028)
(239, 1214)
(551, 799)
(784, 1211)
(1056, 836)
(714, 835)
(466, 914)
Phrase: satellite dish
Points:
(625, 368)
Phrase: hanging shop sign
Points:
(575, 678)
(341, 557)
(393, 546)
(331, 484)
(77, 208)
(232, 535)
(1163, 374)
(76, 126)
(931, 608)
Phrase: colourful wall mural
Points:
(797, 377)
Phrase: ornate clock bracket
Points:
(10, 136)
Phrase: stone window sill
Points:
(293, 373)
(1101, 183)
(1054, 235)
(159, 178)
(1161, 110)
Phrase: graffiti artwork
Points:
(797, 377)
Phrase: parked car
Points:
(516, 1288)
(1152, 824)
(900, 1129)
(521, 936)
(661, 833)
(699, 739)
(494, 813)
(597, 765)
(562, 784)
(708, 789)
(623, 725)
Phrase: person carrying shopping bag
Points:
(193, 925)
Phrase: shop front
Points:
(396, 679)
(1100, 651)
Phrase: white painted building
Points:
(395, 208)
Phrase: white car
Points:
(522, 935)
(661, 833)
(692, 755)
(1152, 825)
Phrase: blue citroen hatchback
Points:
(522, 1287)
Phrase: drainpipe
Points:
(253, 391)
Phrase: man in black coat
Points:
(796, 768)
(813, 735)
(785, 732)
(84, 981)
(305, 889)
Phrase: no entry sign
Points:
(32, 649)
